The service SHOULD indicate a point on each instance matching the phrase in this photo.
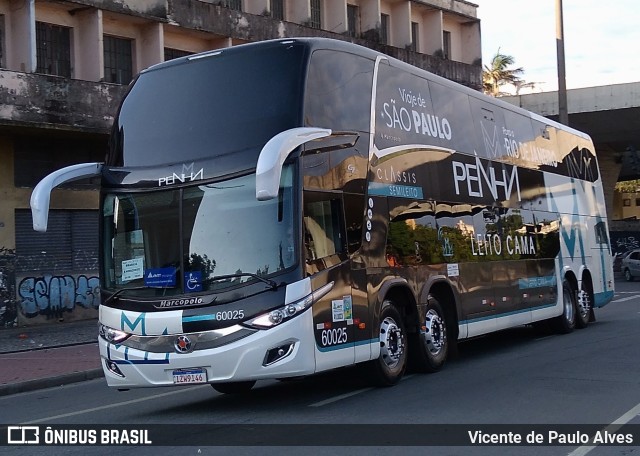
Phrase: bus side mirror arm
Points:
(275, 152)
(42, 192)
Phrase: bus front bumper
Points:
(286, 350)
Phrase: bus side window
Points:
(323, 238)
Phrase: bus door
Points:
(326, 261)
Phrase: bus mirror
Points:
(42, 192)
(275, 152)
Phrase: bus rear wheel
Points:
(584, 309)
(430, 346)
(388, 369)
(234, 387)
(566, 322)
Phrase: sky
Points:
(602, 40)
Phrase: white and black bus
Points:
(282, 208)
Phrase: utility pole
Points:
(563, 111)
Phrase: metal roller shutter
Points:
(69, 245)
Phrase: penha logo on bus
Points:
(186, 175)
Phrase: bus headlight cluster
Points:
(282, 314)
(111, 335)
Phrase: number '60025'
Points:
(334, 336)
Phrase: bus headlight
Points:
(282, 314)
(113, 336)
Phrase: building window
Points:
(118, 60)
(384, 28)
(277, 9)
(626, 202)
(53, 49)
(235, 5)
(170, 53)
(352, 20)
(415, 33)
(315, 21)
(37, 156)
(446, 44)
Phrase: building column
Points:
(369, 16)
(257, 7)
(431, 38)
(401, 25)
(335, 16)
(23, 53)
(152, 46)
(89, 62)
(472, 48)
(300, 11)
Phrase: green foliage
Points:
(631, 186)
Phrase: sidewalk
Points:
(51, 355)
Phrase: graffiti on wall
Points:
(624, 241)
(52, 296)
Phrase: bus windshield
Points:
(200, 238)
(211, 105)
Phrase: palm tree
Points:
(498, 73)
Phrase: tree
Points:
(497, 74)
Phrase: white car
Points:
(631, 265)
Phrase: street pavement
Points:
(51, 355)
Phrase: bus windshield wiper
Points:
(141, 287)
(272, 284)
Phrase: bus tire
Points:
(430, 345)
(566, 322)
(234, 387)
(584, 308)
(389, 368)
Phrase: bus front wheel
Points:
(430, 345)
(234, 387)
(388, 369)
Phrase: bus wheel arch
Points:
(435, 338)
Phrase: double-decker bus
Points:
(283, 208)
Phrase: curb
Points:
(50, 382)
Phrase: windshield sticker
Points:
(132, 269)
(193, 281)
(160, 277)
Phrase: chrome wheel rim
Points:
(435, 333)
(391, 342)
(568, 306)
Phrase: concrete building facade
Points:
(65, 65)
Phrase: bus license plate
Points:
(189, 376)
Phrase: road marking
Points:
(105, 407)
(340, 397)
(331, 400)
(613, 427)
(628, 298)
